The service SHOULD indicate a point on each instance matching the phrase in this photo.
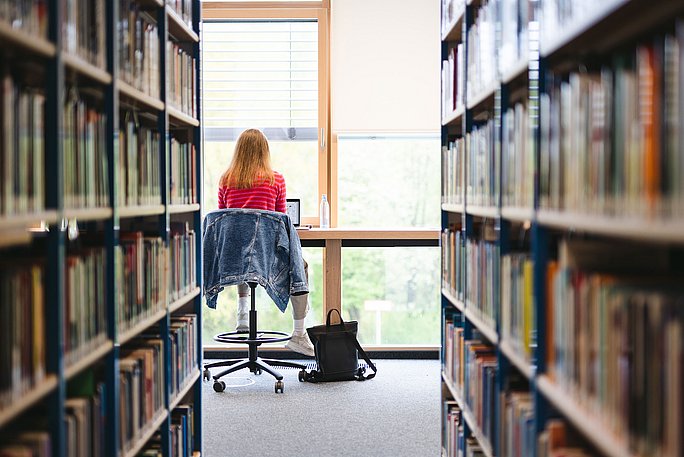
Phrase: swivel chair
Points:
(253, 338)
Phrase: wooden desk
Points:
(332, 240)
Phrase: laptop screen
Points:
(293, 205)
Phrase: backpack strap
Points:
(360, 376)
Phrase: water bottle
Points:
(325, 212)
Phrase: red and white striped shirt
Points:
(264, 196)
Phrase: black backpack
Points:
(337, 353)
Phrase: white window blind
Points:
(260, 74)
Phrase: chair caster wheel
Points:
(279, 387)
(206, 375)
(257, 371)
(302, 376)
(219, 386)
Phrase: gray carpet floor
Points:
(395, 414)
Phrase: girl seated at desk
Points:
(251, 182)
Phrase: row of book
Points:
(453, 261)
(517, 303)
(30, 16)
(28, 444)
(559, 440)
(22, 329)
(86, 171)
(482, 171)
(85, 417)
(558, 15)
(183, 8)
(139, 48)
(453, 432)
(182, 260)
(22, 166)
(453, 78)
(482, 288)
(517, 435)
(83, 29)
(612, 134)
(470, 366)
(451, 9)
(615, 333)
(453, 156)
(183, 334)
(141, 274)
(517, 158)
(180, 78)
(513, 20)
(183, 173)
(183, 431)
(480, 368)
(481, 52)
(141, 388)
(139, 162)
(85, 320)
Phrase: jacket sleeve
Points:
(298, 284)
(210, 274)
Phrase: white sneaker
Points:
(242, 322)
(301, 344)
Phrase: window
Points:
(264, 73)
(389, 180)
(392, 293)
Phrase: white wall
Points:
(385, 65)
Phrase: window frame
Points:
(320, 11)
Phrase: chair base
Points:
(253, 362)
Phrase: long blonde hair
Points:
(251, 162)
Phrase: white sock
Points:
(298, 327)
(243, 306)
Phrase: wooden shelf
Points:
(458, 304)
(148, 431)
(179, 118)
(179, 209)
(136, 97)
(586, 423)
(189, 383)
(83, 67)
(26, 401)
(653, 230)
(88, 214)
(469, 417)
(453, 207)
(173, 307)
(454, 117)
(180, 30)
(15, 237)
(138, 211)
(569, 32)
(490, 212)
(454, 30)
(25, 41)
(24, 221)
(517, 360)
(132, 332)
(484, 328)
(486, 95)
(91, 356)
(517, 71)
(518, 214)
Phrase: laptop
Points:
(293, 205)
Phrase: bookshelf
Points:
(99, 222)
(555, 220)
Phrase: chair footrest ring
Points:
(263, 337)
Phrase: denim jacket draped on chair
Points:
(241, 245)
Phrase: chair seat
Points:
(263, 337)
